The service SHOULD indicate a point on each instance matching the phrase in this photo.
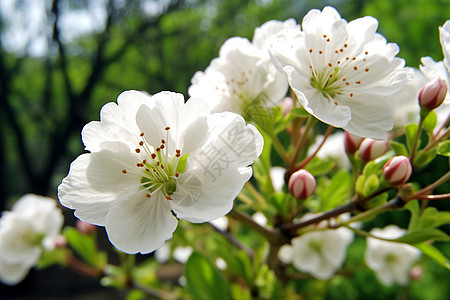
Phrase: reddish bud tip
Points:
(433, 94)
(397, 170)
(371, 149)
(287, 105)
(302, 184)
(351, 143)
(85, 228)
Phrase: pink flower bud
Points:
(60, 242)
(287, 105)
(433, 94)
(397, 170)
(371, 149)
(351, 143)
(416, 273)
(85, 228)
(302, 184)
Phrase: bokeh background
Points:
(62, 60)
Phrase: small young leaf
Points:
(300, 112)
(423, 235)
(203, 280)
(433, 253)
(423, 158)
(399, 148)
(319, 166)
(430, 122)
(414, 208)
(83, 245)
(411, 131)
(432, 218)
(444, 148)
(371, 185)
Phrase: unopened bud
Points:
(371, 149)
(302, 184)
(287, 105)
(351, 143)
(433, 94)
(397, 170)
(60, 242)
(416, 273)
(85, 228)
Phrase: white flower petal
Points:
(17, 240)
(370, 118)
(13, 273)
(117, 122)
(93, 182)
(206, 192)
(138, 224)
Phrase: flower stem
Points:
(393, 204)
(279, 147)
(272, 236)
(258, 197)
(435, 184)
(324, 216)
(416, 138)
(233, 241)
(80, 267)
(308, 159)
(433, 197)
(153, 293)
(301, 143)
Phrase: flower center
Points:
(159, 170)
(334, 72)
(326, 81)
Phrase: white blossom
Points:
(155, 159)
(342, 72)
(390, 261)
(31, 224)
(320, 253)
(333, 149)
(243, 76)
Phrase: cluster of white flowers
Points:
(31, 226)
(155, 159)
(243, 75)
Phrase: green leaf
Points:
(423, 158)
(432, 218)
(203, 280)
(433, 253)
(181, 166)
(414, 208)
(336, 191)
(371, 185)
(423, 235)
(85, 246)
(430, 122)
(319, 166)
(411, 131)
(444, 148)
(399, 148)
(300, 112)
(359, 186)
(56, 256)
